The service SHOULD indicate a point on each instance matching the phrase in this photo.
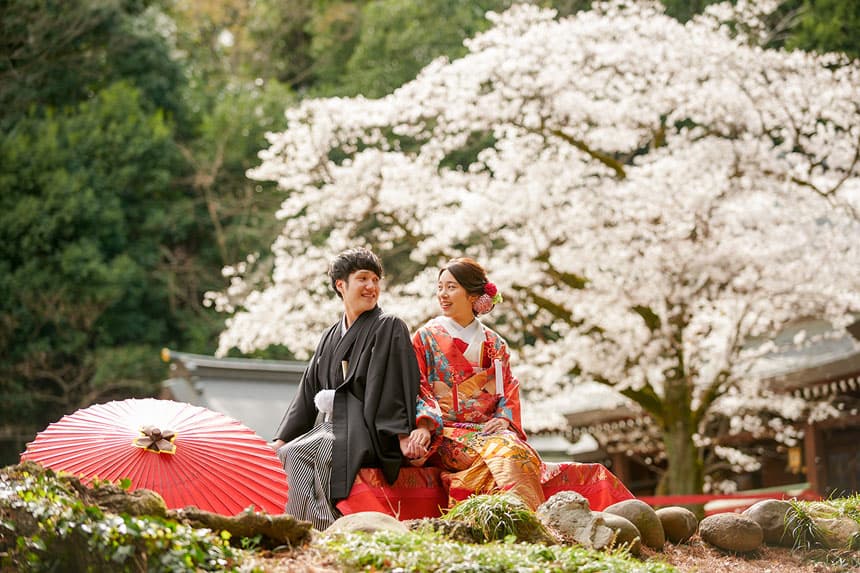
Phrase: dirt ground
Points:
(700, 557)
(694, 557)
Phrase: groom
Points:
(356, 402)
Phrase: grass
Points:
(808, 535)
(800, 520)
(800, 524)
(495, 517)
(426, 551)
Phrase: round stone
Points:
(732, 532)
(644, 518)
(679, 523)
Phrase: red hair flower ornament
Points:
(484, 303)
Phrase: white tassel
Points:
(324, 401)
(500, 383)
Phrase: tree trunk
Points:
(684, 472)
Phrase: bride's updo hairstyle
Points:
(473, 278)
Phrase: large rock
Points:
(770, 515)
(272, 530)
(679, 523)
(732, 532)
(567, 513)
(818, 509)
(644, 518)
(366, 521)
(838, 532)
(626, 533)
(456, 530)
(137, 502)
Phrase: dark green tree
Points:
(828, 26)
(86, 204)
(399, 37)
(55, 53)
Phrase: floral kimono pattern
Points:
(458, 396)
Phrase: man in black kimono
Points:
(356, 402)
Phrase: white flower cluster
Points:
(724, 486)
(739, 461)
(647, 195)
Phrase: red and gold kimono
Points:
(466, 380)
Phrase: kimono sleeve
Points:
(391, 393)
(302, 413)
(509, 404)
(428, 409)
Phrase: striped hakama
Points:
(308, 461)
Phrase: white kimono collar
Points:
(472, 334)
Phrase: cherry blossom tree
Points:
(649, 196)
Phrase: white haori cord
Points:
(324, 401)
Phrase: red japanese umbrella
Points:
(188, 454)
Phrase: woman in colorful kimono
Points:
(468, 405)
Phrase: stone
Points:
(644, 518)
(732, 532)
(838, 532)
(368, 522)
(770, 515)
(455, 530)
(567, 513)
(626, 533)
(819, 509)
(679, 523)
(272, 530)
(138, 502)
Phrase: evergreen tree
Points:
(86, 205)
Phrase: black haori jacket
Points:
(374, 403)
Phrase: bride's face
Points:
(453, 299)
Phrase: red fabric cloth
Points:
(593, 481)
(418, 492)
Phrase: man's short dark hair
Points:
(351, 260)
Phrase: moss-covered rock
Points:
(498, 516)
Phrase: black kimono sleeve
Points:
(376, 403)
(302, 412)
(391, 401)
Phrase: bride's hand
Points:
(496, 425)
(415, 444)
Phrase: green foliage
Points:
(399, 37)
(72, 536)
(683, 10)
(497, 517)
(828, 26)
(428, 551)
(85, 203)
(335, 30)
(237, 212)
(122, 199)
(813, 25)
(281, 37)
(808, 536)
(56, 53)
(799, 522)
(807, 533)
(846, 506)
